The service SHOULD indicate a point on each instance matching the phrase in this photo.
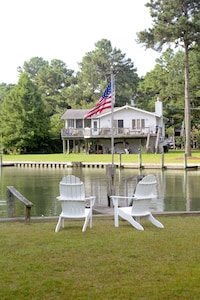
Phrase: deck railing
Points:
(103, 132)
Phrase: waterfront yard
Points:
(172, 157)
(102, 263)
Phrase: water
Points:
(177, 190)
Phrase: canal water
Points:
(178, 190)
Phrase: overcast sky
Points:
(68, 29)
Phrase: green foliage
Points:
(56, 125)
(33, 66)
(23, 118)
(166, 81)
(179, 142)
(194, 63)
(51, 79)
(95, 74)
(176, 22)
(4, 90)
(59, 88)
(195, 136)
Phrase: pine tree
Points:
(177, 22)
(24, 123)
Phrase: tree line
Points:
(31, 110)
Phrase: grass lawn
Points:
(102, 263)
(175, 157)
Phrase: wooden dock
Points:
(98, 165)
(61, 165)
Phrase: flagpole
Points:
(112, 117)
(111, 168)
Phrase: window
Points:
(79, 123)
(87, 123)
(70, 123)
(138, 124)
(142, 123)
(120, 123)
(95, 125)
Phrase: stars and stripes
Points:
(104, 102)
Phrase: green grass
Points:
(174, 157)
(102, 263)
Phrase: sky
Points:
(68, 29)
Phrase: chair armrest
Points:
(91, 199)
(63, 198)
(60, 198)
(116, 198)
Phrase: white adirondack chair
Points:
(73, 202)
(144, 193)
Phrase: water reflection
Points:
(177, 190)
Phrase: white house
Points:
(132, 129)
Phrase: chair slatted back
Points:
(73, 191)
(145, 191)
(72, 188)
(146, 187)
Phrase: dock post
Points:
(120, 160)
(185, 161)
(140, 158)
(162, 160)
(110, 176)
(11, 208)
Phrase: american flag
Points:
(104, 102)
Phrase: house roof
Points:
(136, 109)
(116, 109)
(74, 114)
(80, 113)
